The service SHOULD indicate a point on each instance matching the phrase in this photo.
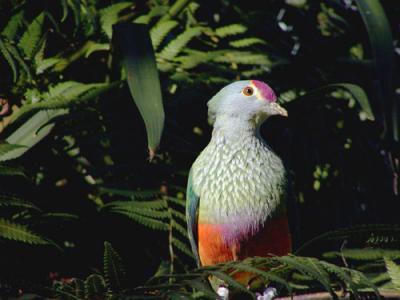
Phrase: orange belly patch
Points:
(212, 248)
(273, 238)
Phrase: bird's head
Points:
(248, 100)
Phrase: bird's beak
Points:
(279, 110)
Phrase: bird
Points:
(236, 202)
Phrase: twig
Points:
(386, 294)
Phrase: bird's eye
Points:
(248, 91)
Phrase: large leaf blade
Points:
(381, 42)
(133, 41)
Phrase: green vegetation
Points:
(85, 170)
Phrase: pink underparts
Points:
(265, 90)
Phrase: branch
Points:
(386, 294)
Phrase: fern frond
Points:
(203, 289)
(246, 42)
(254, 72)
(268, 276)
(178, 227)
(18, 232)
(10, 200)
(160, 30)
(394, 272)
(133, 204)
(132, 194)
(365, 254)
(64, 95)
(156, 11)
(95, 287)
(308, 267)
(30, 40)
(76, 10)
(65, 291)
(244, 58)
(229, 30)
(15, 52)
(154, 214)
(45, 64)
(178, 215)
(342, 274)
(357, 232)
(170, 51)
(182, 247)
(145, 221)
(229, 280)
(195, 58)
(109, 16)
(178, 201)
(15, 22)
(60, 215)
(7, 56)
(360, 279)
(113, 267)
(11, 171)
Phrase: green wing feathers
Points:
(192, 204)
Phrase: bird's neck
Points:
(235, 128)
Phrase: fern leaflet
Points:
(175, 46)
(394, 272)
(229, 30)
(160, 30)
(113, 267)
(30, 40)
(109, 16)
(17, 232)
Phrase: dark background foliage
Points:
(342, 167)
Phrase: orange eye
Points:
(248, 91)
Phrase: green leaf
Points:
(365, 254)
(244, 58)
(63, 96)
(94, 47)
(229, 30)
(15, 52)
(230, 281)
(14, 201)
(394, 272)
(156, 11)
(182, 247)
(270, 276)
(6, 148)
(30, 133)
(46, 63)
(356, 92)
(140, 205)
(95, 287)
(381, 41)
(308, 267)
(133, 41)
(359, 95)
(175, 46)
(11, 171)
(15, 22)
(30, 40)
(113, 267)
(17, 232)
(160, 30)
(109, 16)
(246, 42)
(143, 220)
(8, 57)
